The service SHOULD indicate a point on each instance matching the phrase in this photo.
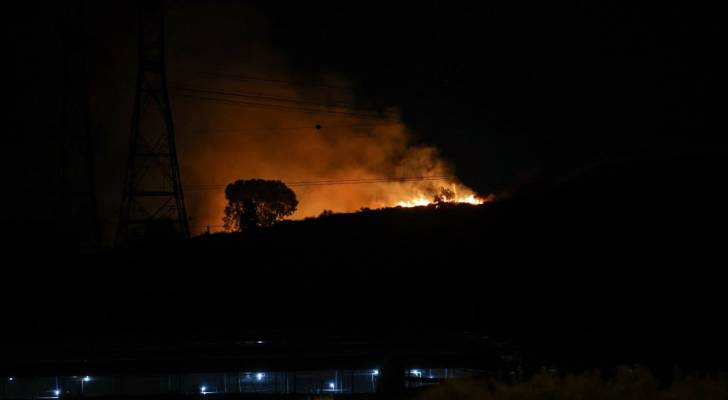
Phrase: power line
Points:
(337, 182)
(280, 107)
(269, 80)
(292, 128)
(285, 99)
(370, 179)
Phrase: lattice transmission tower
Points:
(152, 203)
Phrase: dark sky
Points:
(509, 88)
(506, 91)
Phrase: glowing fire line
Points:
(422, 201)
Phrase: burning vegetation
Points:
(333, 150)
(448, 195)
(341, 167)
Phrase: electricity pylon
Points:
(153, 202)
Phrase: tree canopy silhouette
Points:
(256, 203)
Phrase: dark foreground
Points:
(620, 264)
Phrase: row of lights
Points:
(259, 377)
(57, 392)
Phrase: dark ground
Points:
(610, 266)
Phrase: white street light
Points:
(84, 379)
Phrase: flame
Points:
(470, 199)
(418, 202)
(421, 201)
(245, 143)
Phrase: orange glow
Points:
(418, 202)
(463, 199)
(219, 144)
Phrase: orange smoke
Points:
(225, 142)
(230, 129)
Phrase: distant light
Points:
(416, 372)
(11, 379)
(259, 376)
(375, 372)
(57, 392)
(332, 385)
(259, 342)
(203, 389)
(86, 378)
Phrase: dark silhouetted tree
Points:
(256, 203)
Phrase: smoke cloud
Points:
(295, 147)
(241, 111)
(250, 115)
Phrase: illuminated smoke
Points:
(230, 127)
(344, 148)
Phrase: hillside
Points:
(620, 263)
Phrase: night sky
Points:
(507, 89)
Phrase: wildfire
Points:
(446, 196)
(418, 202)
